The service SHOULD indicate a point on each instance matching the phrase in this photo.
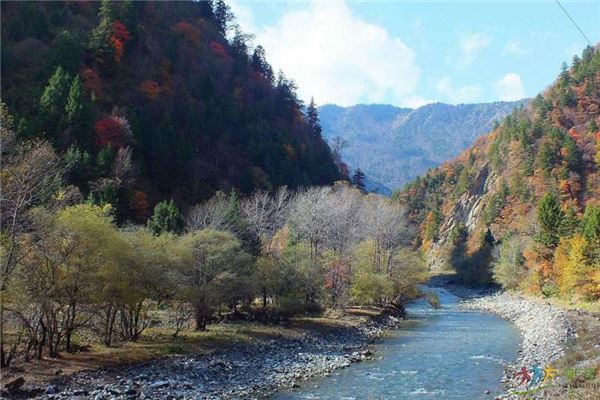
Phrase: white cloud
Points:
(514, 47)
(471, 45)
(338, 57)
(510, 87)
(461, 94)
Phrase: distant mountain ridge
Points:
(393, 145)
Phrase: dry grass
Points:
(158, 342)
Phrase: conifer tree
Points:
(550, 217)
(312, 116)
(358, 180)
(166, 218)
(52, 102)
(99, 39)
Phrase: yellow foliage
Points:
(575, 273)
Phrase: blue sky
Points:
(413, 53)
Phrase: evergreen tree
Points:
(222, 16)
(52, 102)
(260, 64)
(569, 224)
(166, 218)
(590, 226)
(76, 109)
(358, 180)
(99, 39)
(312, 115)
(550, 217)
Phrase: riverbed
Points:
(435, 354)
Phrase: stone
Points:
(52, 389)
(159, 384)
(15, 384)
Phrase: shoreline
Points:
(545, 329)
(245, 370)
(259, 369)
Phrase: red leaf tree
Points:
(118, 39)
(111, 131)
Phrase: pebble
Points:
(243, 371)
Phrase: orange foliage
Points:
(91, 81)
(138, 203)
(151, 89)
(218, 49)
(188, 32)
(118, 39)
(289, 150)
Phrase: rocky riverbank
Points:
(243, 371)
(545, 330)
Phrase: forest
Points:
(521, 207)
(155, 172)
(131, 94)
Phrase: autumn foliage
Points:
(151, 89)
(218, 50)
(110, 131)
(118, 39)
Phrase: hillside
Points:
(395, 145)
(521, 205)
(150, 101)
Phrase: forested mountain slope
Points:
(531, 188)
(394, 145)
(150, 101)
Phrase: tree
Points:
(509, 268)
(312, 116)
(570, 222)
(99, 39)
(222, 16)
(260, 64)
(550, 217)
(52, 102)
(31, 174)
(590, 229)
(213, 275)
(358, 180)
(166, 218)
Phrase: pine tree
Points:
(222, 16)
(52, 102)
(550, 217)
(166, 218)
(569, 224)
(312, 115)
(260, 64)
(75, 108)
(358, 180)
(99, 39)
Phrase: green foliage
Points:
(509, 268)
(570, 223)
(550, 217)
(203, 115)
(590, 229)
(52, 101)
(166, 218)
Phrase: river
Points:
(435, 354)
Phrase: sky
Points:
(409, 53)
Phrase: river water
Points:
(435, 354)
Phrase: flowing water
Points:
(435, 354)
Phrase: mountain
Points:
(155, 87)
(530, 187)
(395, 145)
